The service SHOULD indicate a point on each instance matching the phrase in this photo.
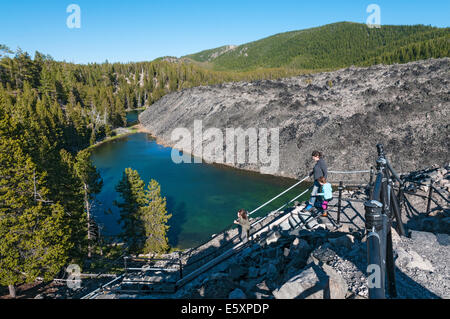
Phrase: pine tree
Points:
(131, 189)
(34, 238)
(92, 185)
(155, 218)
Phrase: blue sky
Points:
(130, 30)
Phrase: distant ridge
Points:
(331, 46)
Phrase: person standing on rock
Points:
(319, 170)
(245, 224)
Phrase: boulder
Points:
(270, 252)
(253, 272)
(237, 271)
(430, 224)
(443, 239)
(296, 242)
(217, 286)
(299, 246)
(272, 272)
(420, 263)
(337, 285)
(273, 238)
(411, 259)
(262, 271)
(298, 260)
(308, 284)
(345, 241)
(445, 225)
(262, 286)
(396, 239)
(324, 253)
(423, 237)
(237, 294)
(260, 295)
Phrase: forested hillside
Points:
(333, 46)
(50, 112)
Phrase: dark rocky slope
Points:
(343, 113)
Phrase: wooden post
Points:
(341, 188)
(430, 193)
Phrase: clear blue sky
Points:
(131, 30)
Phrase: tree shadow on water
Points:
(179, 217)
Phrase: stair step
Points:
(285, 225)
(308, 219)
(296, 218)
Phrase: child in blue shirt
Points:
(326, 195)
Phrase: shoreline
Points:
(129, 131)
(142, 129)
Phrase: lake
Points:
(202, 198)
(133, 117)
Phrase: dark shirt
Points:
(320, 169)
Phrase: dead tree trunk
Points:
(12, 291)
(88, 212)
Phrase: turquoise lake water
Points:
(133, 117)
(203, 199)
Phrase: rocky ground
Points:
(331, 263)
(343, 113)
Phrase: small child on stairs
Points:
(326, 196)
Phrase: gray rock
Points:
(237, 271)
(260, 295)
(262, 286)
(346, 241)
(324, 253)
(273, 238)
(253, 272)
(396, 239)
(302, 247)
(423, 237)
(237, 294)
(337, 285)
(217, 286)
(272, 271)
(443, 239)
(308, 284)
(270, 252)
(418, 262)
(445, 225)
(430, 224)
(411, 259)
(298, 260)
(262, 271)
(403, 258)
